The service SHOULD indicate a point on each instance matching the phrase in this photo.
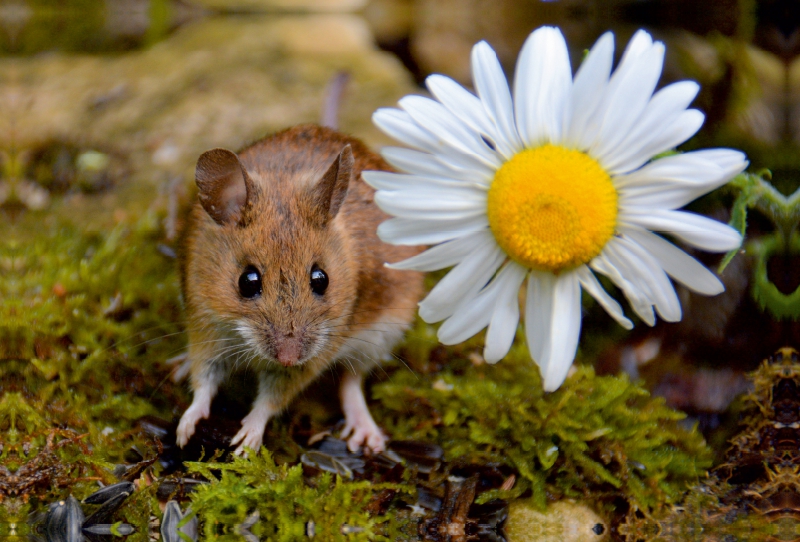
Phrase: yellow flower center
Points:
(552, 208)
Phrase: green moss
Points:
(288, 505)
(596, 437)
(87, 318)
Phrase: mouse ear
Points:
(224, 185)
(329, 193)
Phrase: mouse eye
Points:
(250, 282)
(319, 280)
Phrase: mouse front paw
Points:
(363, 431)
(250, 435)
(189, 420)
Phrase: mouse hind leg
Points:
(361, 353)
(360, 428)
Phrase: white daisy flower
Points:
(553, 183)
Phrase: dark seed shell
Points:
(109, 492)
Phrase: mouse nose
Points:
(288, 349)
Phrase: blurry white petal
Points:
(673, 184)
(412, 231)
(449, 129)
(505, 317)
(538, 307)
(492, 87)
(639, 44)
(450, 204)
(462, 282)
(629, 268)
(590, 83)
(622, 108)
(690, 167)
(669, 137)
(490, 307)
(388, 181)
(731, 161)
(399, 125)
(596, 290)
(698, 231)
(472, 316)
(606, 264)
(445, 254)
(678, 264)
(422, 163)
(666, 105)
(542, 88)
(462, 103)
(649, 273)
(553, 324)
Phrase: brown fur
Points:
(283, 231)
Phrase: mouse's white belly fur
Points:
(373, 345)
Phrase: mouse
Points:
(283, 274)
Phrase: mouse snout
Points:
(288, 348)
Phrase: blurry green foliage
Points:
(82, 26)
(755, 192)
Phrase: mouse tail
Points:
(333, 100)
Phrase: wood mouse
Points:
(282, 273)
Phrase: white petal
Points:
(649, 273)
(606, 264)
(492, 87)
(422, 163)
(552, 332)
(542, 87)
(669, 137)
(386, 180)
(411, 231)
(590, 83)
(669, 185)
(462, 103)
(445, 204)
(443, 255)
(698, 231)
(630, 269)
(449, 129)
(505, 317)
(472, 316)
(666, 105)
(538, 307)
(596, 290)
(623, 108)
(640, 43)
(731, 161)
(463, 282)
(400, 126)
(678, 264)
(687, 168)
